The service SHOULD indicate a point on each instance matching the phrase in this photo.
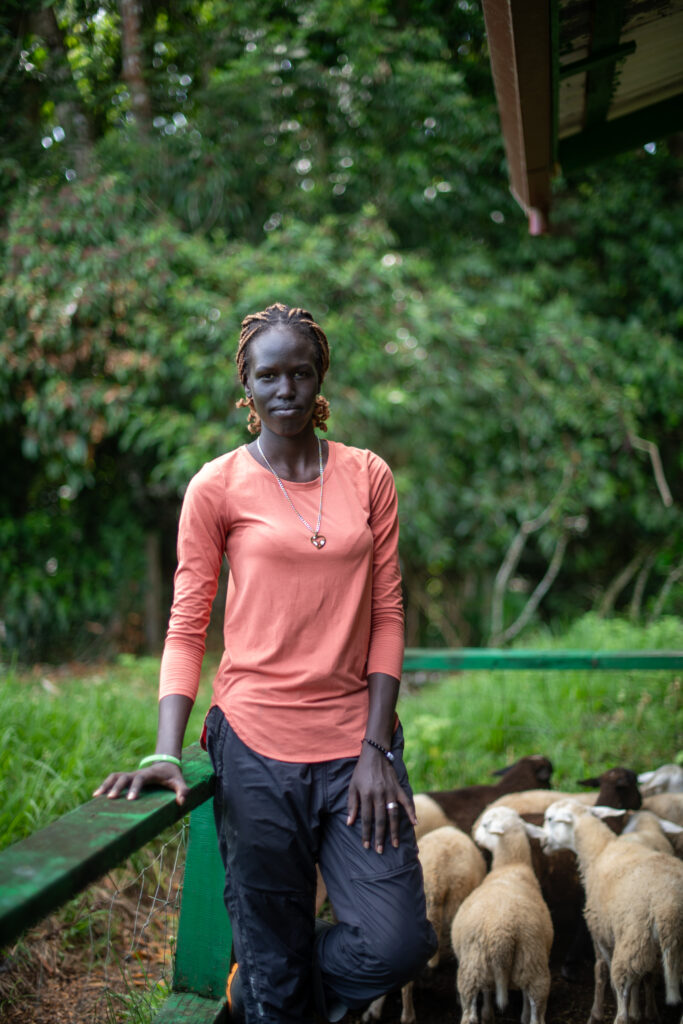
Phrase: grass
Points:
(460, 728)
(64, 729)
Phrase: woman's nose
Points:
(285, 385)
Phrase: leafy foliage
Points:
(348, 159)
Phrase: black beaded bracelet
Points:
(378, 746)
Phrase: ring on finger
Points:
(392, 805)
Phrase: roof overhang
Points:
(580, 80)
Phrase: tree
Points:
(524, 391)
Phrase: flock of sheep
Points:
(600, 869)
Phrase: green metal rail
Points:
(39, 874)
(424, 659)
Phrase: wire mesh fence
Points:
(107, 955)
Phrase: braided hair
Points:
(299, 320)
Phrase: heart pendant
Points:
(318, 541)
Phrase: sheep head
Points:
(668, 778)
(559, 825)
(496, 822)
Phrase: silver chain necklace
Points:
(317, 540)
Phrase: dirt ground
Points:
(77, 995)
(436, 1001)
(93, 963)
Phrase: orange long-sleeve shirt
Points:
(303, 627)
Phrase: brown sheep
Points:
(463, 806)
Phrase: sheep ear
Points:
(501, 771)
(670, 826)
(593, 783)
(607, 812)
(495, 829)
(534, 831)
(645, 777)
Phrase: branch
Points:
(639, 589)
(448, 630)
(540, 591)
(653, 451)
(674, 576)
(621, 580)
(514, 553)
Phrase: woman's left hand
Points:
(376, 792)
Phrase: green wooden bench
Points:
(39, 874)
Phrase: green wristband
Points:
(153, 758)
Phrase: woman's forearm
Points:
(382, 697)
(174, 712)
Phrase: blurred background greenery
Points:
(167, 166)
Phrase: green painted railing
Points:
(419, 659)
(39, 874)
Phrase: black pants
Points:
(275, 820)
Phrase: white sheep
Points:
(429, 815)
(647, 828)
(666, 805)
(502, 933)
(668, 778)
(452, 867)
(634, 906)
(557, 873)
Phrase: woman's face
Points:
(282, 379)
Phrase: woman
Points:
(302, 730)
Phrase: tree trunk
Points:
(132, 73)
(69, 113)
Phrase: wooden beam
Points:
(624, 133)
(608, 16)
(519, 39)
(597, 59)
(185, 1008)
(202, 956)
(554, 79)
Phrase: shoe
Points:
(233, 994)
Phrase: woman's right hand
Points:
(160, 774)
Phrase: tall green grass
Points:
(62, 731)
(460, 728)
